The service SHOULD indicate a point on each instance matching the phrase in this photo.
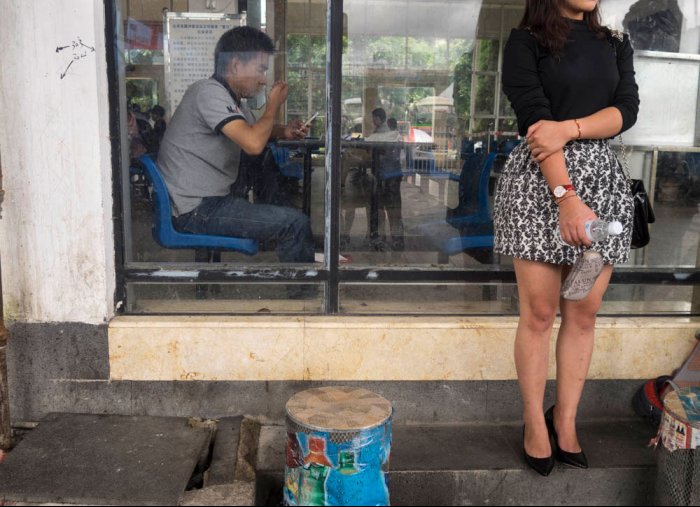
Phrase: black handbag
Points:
(643, 212)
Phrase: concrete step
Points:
(90, 459)
(85, 459)
(482, 464)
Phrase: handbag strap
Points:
(625, 159)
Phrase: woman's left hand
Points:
(546, 137)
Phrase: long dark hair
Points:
(544, 21)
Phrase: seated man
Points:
(200, 152)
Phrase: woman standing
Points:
(571, 83)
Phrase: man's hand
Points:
(277, 95)
(546, 137)
(295, 129)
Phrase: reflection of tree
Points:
(487, 60)
(486, 83)
(306, 70)
(143, 56)
(400, 101)
(141, 93)
(307, 49)
(463, 90)
(306, 54)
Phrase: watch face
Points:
(559, 191)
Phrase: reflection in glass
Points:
(433, 67)
(222, 298)
(485, 94)
(429, 299)
(420, 74)
(302, 64)
(505, 108)
(487, 55)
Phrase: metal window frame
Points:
(329, 273)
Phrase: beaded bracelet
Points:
(578, 126)
(559, 201)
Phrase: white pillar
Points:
(56, 231)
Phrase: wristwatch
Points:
(561, 190)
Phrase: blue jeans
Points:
(236, 217)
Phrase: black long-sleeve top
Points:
(591, 74)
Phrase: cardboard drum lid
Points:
(338, 408)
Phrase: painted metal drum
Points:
(338, 447)
(678, 456)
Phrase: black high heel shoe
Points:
(574, 459)
(542, 466)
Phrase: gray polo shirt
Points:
(196, 159)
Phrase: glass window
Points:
(662, 147)
(165, 47)
(425, 130)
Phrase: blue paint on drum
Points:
(325, 468)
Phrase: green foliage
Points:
(306, 50)
(142, 92)
(306, 70)
(307, 54)
(144, 56)
(463, 88)
(486, 84)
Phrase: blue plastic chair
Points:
(474, 229)
(508, 146)
(165, 234)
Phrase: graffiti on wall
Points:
(77, 50)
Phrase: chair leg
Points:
(203, 291)
(202, 255)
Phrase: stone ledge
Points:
(371, 348)
(372, 322)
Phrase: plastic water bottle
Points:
(599, 230)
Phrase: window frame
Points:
(329, 273)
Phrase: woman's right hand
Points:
(573, 215)
(546, 137)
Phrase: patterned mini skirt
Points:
(526, 219)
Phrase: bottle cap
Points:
(614, 228)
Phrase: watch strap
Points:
(567, 188)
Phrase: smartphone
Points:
(310, 120)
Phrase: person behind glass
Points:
(137, 144)
(201, 150)
(159, 125)
(390, 176)
(571, 83)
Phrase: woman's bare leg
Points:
(538, 289)
(574, 352)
